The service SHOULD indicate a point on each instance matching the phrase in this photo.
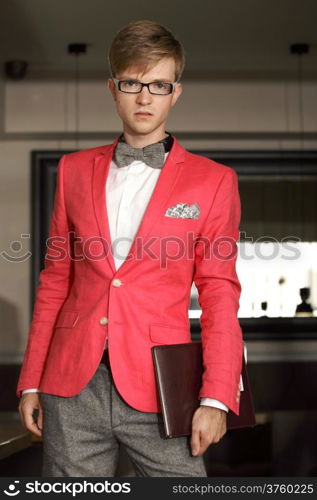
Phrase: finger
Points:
(40, 418)
(203, 447)
(222, 431)
(219, 435)
(28, 419)
(33, 427)
(36, 431)
(195, 442)
(206, 439)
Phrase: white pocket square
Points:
(183, 211)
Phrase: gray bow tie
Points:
(153, 155)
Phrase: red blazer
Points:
(82, 300)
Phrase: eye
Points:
(131, 83)
(160, 85)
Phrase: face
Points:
(144, 114)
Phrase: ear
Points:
(177, 92)
(112, 88)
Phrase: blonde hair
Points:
(143, 44)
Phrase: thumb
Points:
(40, 418)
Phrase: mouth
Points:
(143, 114)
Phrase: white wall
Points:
(36, 110)
(218, 106)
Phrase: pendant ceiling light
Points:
(77, 49)
(300, 49)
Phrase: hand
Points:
(28, 403)
(209, 425)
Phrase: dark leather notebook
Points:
(178, 370)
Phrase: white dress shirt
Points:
(128, 192)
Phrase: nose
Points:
(144, 97)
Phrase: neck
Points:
(141, 141)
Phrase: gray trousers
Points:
(82, 436)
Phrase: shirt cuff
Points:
(29, 390)
(213, 402)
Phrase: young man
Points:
(134, 224)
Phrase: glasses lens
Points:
(161, 88)
(130, 86)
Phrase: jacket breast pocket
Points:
(180, 222)
(67, 319)
(169, 334)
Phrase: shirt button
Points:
(116, 282)
(103, 321)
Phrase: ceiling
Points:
(234, 38)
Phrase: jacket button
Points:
(103, 321)
(116, 282)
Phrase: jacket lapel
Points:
(168, 177)
(100, 174)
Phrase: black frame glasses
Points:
(150, 86)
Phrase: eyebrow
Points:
(165, 80)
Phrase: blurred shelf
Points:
(282, 329)
(13, 436)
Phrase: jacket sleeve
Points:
(218, 295)
(54, 284)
